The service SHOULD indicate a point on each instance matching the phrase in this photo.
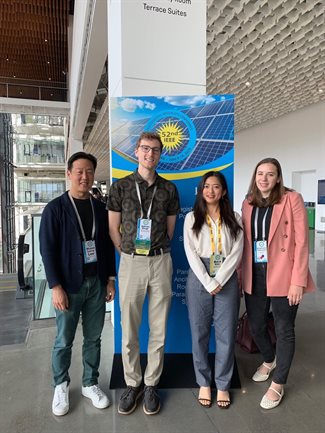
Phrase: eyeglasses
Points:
(146, 149)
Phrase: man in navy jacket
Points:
(79, 261)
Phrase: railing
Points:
(28, 91)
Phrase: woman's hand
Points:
(295, 294)
(216, 290)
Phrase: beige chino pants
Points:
(140, 276)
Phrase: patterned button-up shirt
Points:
(123, 198)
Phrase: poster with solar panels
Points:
(198, 135)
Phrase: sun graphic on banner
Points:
(171, 135)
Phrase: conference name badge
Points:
(216, 261)
(89, 250)
(260, 251)
(143, 239)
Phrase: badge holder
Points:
(260, 251)
(216, 261)
(143, 242)
(89, 250)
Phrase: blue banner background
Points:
(198, 136)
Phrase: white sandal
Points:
(267, 403)
(259, 377)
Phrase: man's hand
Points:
(60, 298)
(110, 291)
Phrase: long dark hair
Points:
(226, 212)
(254, 195)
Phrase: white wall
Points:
(297, 140)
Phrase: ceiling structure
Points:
(269, 53)
(34, 48)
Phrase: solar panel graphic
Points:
(197, 133)
(192, 137)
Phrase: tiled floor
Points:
(26, 394)
(15, 316)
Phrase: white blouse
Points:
(200, 247)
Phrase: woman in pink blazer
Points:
(274, 270)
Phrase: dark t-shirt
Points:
(86, 216)
(261, 267)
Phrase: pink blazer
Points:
(288, 251)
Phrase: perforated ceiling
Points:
(269, 53)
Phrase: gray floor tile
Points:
(26, 393)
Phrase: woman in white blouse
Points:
(213, 241)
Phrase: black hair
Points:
(82, 155)
(226, 212)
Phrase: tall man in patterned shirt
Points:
(142, 215)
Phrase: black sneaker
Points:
(151, 404)
(128, 400)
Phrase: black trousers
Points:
(258, 306)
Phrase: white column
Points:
(74, 146)
(157, 48)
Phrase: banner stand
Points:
(178, 371)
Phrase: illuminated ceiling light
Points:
(45, 40)
(248, 83)
(50, 78)
(48, 62)
(7, 59)
(21, 92)
(14, 76)
(51, 94)
(320, 90)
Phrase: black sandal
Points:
(205, 402)
(223, 406)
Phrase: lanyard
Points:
(263, 223)
(79, 219)
(139, 197)
(213, 245)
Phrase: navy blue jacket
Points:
(61, 244)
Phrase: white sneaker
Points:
(97, 396)
(60, 404)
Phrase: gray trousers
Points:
(221, 311)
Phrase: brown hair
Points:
(150, 135)
(254, 195)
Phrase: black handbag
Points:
(244, 337)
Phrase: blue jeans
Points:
(258, 306)
(90, 302)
